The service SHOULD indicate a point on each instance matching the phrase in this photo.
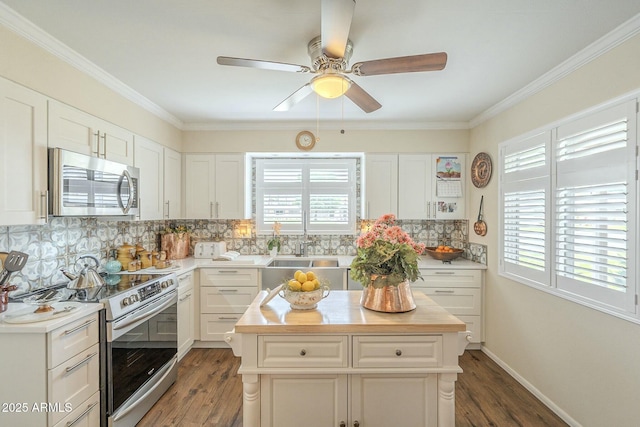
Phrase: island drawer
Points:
(386, 351)
(301, 351)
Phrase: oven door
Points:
(141, 359)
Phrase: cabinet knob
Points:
(356, 424)
(303, 352)
(398, 352)
(343, 424)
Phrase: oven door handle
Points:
(145, 315)
(142, 398)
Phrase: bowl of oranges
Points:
(304, 291)
(444, 253)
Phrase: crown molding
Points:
(325, 125)
(606, 43)
(25, 28)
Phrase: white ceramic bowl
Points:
(300, 300)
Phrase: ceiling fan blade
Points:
(294, 98)
(361, 98)
(335, 24)
(265, 65)
(401, 64)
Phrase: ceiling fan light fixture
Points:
(330, 85)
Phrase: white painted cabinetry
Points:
(408, 186)
(214, 186)
(75, 130)
(59, 368)
(172, 184)
(459, 292)
(23, 155)
(225, 294)
(186, 313)
(149, 158)
(352, 398)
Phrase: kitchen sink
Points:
(281, 270)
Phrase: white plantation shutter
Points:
(323, 189)
(568, 214)
(594, 245)
(524, 183)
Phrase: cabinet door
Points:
(186, 314)
(23, 155)
(200, 185)
(72, 129)
(149, 157)
(381, 184)
(229, 186)
(116, 144)
(414, 186)
(308, 400)
(172, 184)
(408, 400)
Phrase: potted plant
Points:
(386, 263)
(274, 243)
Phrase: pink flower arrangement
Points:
(386, 250)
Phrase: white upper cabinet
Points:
(214, 186)
(415, 186)
(75, 130)
(23, 155)
(172, 184)
(381, 185)
(149, 157)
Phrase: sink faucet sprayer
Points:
(303, 244)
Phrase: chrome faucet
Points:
(302, 250)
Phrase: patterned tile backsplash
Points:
(60, 242)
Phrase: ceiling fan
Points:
(330, 53)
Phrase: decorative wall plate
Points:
(481, 170)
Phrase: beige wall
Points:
(587, 362)
(29, 65)
(450, 141)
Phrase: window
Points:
(568, 209)
(313, 195)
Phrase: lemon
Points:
(308, 286)
(294, 285)
(310, 275)
(316, 284)
(302, 278)
(296, 274)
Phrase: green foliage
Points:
(398, 261)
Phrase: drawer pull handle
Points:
(227, 318)
(181, 278)
(80, 363)
(445, 272)
(187, 296)
(227, 290)
(303, 352)
(398, 352)
(228, 271)
(356, 424)
(445, 292)
(83, 414)
(77, 328)
(343, 424)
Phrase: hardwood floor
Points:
(209, 393)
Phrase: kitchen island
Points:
(343, 365)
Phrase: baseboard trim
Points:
(526, 384)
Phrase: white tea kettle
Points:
(88, 276)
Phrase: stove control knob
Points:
(164, 284)
(134, 298)
(125, 301)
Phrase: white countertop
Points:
(81, 310)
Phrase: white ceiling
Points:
(165, 50)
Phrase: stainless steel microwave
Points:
(81, 185)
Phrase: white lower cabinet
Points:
(225, 294)
(186, 313)
(459, 292)
(52, 379)
(392, 396)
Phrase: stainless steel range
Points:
(140, 345)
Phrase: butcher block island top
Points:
(341, 312)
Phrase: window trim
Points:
(630, 309)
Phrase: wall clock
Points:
(305, 140)
(481, 170)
